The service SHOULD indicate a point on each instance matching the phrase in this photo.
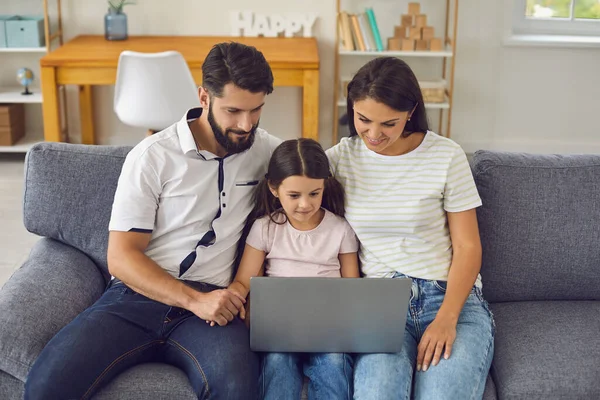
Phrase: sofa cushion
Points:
(148, 381)
(490, 389)
(539, 225)
(547, 350)
(69, 191)
(11, 388)
(55, 284)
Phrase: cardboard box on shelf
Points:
(414, 8)
(12, 123)
(435, 44)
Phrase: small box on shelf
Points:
(414, 8)
(394, 44)
(400, 32)
(435, 44)
(25, 31)
(408, 44)
(414, 33)
(421, 45)
(407, 20)
(3, 19)
(427, 32)
(433, 91)
(345, 83)
(12, 123)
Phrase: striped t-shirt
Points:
(397, 204)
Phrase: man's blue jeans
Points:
(123, 329)
(462, 376)
(329, 374)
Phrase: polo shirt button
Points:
(224, 205)
(223, 193)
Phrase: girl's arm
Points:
(250, 265)
(349, 265)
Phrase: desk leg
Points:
(86, 115)
(50, 105)
(310, 105)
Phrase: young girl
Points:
(299, 230)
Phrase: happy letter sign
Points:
(247, 23)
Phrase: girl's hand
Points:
(242, 309)
(438, 337)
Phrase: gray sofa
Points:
(540, 228)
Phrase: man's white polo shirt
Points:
(194, 203)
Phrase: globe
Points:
(25, 78)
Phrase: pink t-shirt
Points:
(294, 253)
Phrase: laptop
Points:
(330, 315)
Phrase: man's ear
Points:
(204, 97)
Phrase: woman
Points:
(411, 200)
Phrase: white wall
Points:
(506, 98)
(522, 98)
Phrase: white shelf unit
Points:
(449, 8)
(23, 145)
(12, 94)
(445, 53)
(22, 50)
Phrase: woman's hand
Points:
(437, 339)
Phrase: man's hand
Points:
(437, 338)
(219, 306)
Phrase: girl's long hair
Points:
(296, 157)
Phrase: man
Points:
(180, 206)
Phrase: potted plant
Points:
(115, 21)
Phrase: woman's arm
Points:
(466, 263)
(349, 265)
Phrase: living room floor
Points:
(15, 241)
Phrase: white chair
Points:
(153, 90)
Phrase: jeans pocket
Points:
(121, 288)
(440, 285)
(443, 285)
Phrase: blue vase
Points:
(115, 25)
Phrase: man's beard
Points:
(224, 138)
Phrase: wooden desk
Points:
(91, 60)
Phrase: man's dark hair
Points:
(236, 63)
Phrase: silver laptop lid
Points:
(333, 315)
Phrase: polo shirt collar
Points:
(186, 139)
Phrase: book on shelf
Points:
(346, 39)
(359, 31)
(366, 32)
(360, 42)
(375, 29)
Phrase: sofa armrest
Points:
(52, 287)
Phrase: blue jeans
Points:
(123, 329)
(329, 374)
(462, 376)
